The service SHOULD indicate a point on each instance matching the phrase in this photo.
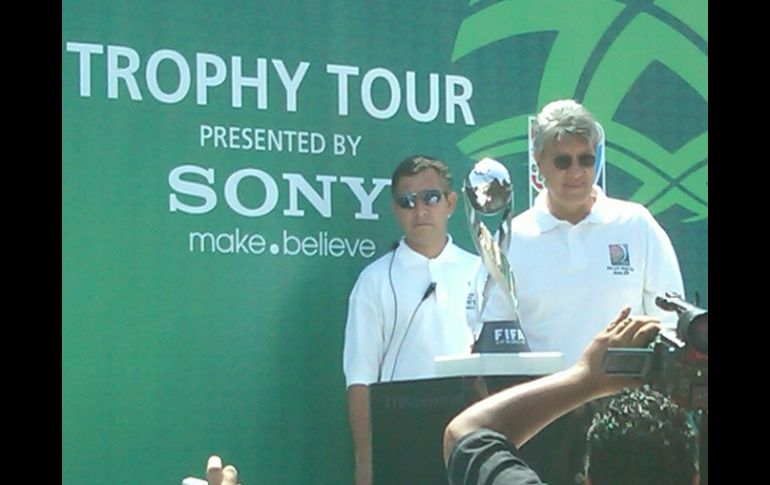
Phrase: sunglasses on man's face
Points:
(563, 162)
(408, 200)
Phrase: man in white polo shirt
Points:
(578, 255)
(408, 306)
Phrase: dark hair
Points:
(418, 163)
(641, 437)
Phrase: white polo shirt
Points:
(572, 280)
(439, 326)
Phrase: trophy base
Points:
(501, 336)
(500, 364)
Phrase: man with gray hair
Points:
(576, 254)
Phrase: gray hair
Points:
(564, 117)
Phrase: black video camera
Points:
(674, 363)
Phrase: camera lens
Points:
(698, 331)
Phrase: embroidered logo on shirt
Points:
(619, 255)
(620, 259)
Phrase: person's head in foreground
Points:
(641, 437)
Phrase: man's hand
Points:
(624, 331)
(216, 475)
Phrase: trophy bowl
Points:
(488, 187)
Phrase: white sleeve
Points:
(364, 337)
(662, 273)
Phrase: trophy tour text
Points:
(123, 68)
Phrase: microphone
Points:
(392, 249)
(428, 291)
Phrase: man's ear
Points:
(537, 158)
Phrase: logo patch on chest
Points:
(620, 259)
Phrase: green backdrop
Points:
(224, 180)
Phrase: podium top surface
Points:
(499, 364)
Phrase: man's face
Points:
(567, 165)
(424, 225)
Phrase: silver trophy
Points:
(487, 192)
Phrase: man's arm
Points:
(662, 273)
(358, 412)
(522, 411)
(362, 354)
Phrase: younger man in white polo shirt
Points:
(408, 306)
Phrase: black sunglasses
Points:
(563, 162)
(408, 200)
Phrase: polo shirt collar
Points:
(408, 257)
(599, 214)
